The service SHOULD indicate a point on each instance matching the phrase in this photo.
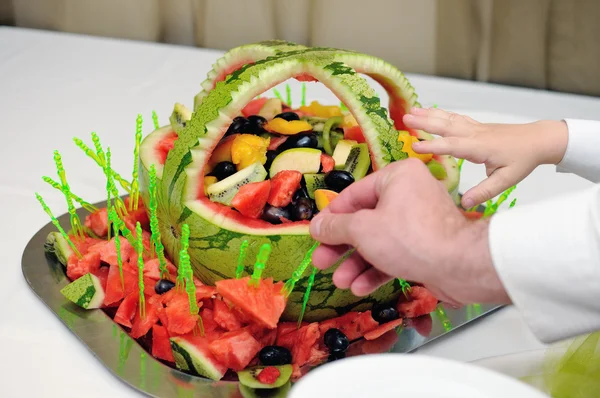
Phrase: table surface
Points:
(56, 86)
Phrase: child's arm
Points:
(510, 152)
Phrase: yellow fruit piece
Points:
(208, 181)
(408, 140)
(249, 148)
(316, 109)
(349, 121)
(323, 197)
(283, 127)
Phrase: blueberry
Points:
(223, 170)
(256, 123)
(338, 180)
(163, 286)
(302, 210)
(272, 214)
(336, 341)
(274, 355)
(384, 313)
(238, 125)
(289, 116)
(271, 155)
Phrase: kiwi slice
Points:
(341, 152)
(271, 108)
(437, 169)
(224, 190)
(304, 160)
(358, 161)
(248, 377)
(180, 116)
(314, 182)
(317, 123)
(280, 392)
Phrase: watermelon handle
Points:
(240, 265)
(261, 260)
(57, 224)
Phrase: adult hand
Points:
(510, 152)
(404, 224)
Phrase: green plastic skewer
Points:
(120, 226)
(343, 107)
(311, 281)
(183, 258)
(139, 249)
(240, 265)
(303, 98)
(135, 185)
(89, 207)
(108, 191)
(261, 260)
(155, 120)
(288, 91)
(277, 94)
(110, 183)
(405, 286)
(513, 203)
(503, 197)
(75, 221)
(441, 313)
(298, 272)
(154, 228)
(112, 216)
(81, 145)
(57, 225)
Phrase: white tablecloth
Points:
(54, 87)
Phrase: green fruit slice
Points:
(341, 152)
(248, 377)
(180, 116)
(304, 160)
(58, 246)
(86, 292)
(437, 170)
(314, 182)
(358, 161)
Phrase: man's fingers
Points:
(369, 281)
(334, 229)
(494, 185)
(360, 195)
(349, 270)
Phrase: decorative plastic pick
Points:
(261, 260)
(110, 183)
(343, 107)
(441, 313)
(134, 196)
(503, 197)
(477, 309)
(277, 94)
(108, 191)
(139, 249)
(513, 203)
(112, 216)
(190, 289)
(435, 105)
(184, 260)
(311, 282)
(75, 222)
(298, 272)
(155, 120)
(89, 207)
(240, 265)
(303, 98)
(57, 224)
(100, 162)
(405, 286)
(154, 228)
(120, 226)
(288, 92)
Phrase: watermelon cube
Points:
(235, 349)
(224, 317)
(161, 345)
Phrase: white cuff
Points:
(582, 156)
(548, 258)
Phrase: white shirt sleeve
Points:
(547, 254)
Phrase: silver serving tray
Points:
(132, 364)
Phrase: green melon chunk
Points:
(58, 246)
(437, 170)
(248, 377)
(304, 160)
(341, 152)
(86, 292)
(189, 358)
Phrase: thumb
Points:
(334, 229)
(492, 186)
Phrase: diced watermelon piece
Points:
(141, 326)
(264, 336)
(127, 309)
(306, 339)
(224, 317)
(78, 267)
(180, 320)
(84, 244)
(252, 198)
(161, 345)
(239, 314)
(108, 251)
(276, 142)
(208, 320)
(327, 163)
(422, 302)
(263, 303)
(317, 356)
(235, 349)
(102, 275)
(162, 315)
(97, 222)
(152, 269)
(473, 215)
(165, 145)
(382, 329)
(354, 133)
(353, 324)
(114, 289)
(382, 344)
(254, 106)
(283, 186)
(287, 332)
(268, 375)
(205, 292)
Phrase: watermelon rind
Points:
(85, 291)
(189, 358)
(58, 246)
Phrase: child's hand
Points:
(510, 152)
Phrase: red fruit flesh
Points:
(283, 186)
(252, 198)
